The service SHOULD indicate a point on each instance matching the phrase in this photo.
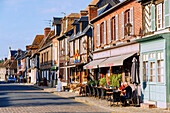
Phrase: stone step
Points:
(147, 105)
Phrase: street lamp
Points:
(128, 26)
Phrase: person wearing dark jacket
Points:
(128, 95)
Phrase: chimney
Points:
(27, 47)
(92, 11)
(46, 31)
(83, 13)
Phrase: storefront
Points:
(77, 73)
(155, 65)
(116, 60)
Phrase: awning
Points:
(94, 64)
(115, 61)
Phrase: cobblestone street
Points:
(24, 99)
(15, 98)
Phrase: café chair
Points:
(87, 90)
(90, 90)
(116, 98)
(94, 92)
(103, 93)
(98, 92)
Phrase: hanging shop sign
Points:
(76, 57)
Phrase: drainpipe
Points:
(58, 59)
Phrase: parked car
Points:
(11, 79)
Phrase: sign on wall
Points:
(76, 57)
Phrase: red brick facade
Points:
(122, 7)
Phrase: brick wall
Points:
(137, 19)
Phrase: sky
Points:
(22, 20)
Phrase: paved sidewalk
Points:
(101, 103)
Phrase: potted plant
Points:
(115, 80)
(103, 82)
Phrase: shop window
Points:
(145, 71)
(152, 55)
(152, 72)
(160, 67)
(145, 67)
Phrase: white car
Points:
(11, 79)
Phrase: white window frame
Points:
(159, 14)
(56, 51)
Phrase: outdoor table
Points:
(109, 91)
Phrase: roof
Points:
(103, 9)
(13, 52)
(13, 65)
(56, 20)
(85, 32)
(83, 18)
(109, 10)
(94, 2)
(69, 33)
(37, 41)
(73, 15)
(75, 22)
(46, 41)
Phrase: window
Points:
(56, 52)
(62, 47)
(145, 67)
(152, 55)
(42, 58)
(98, 32)
(47, 56)
(160, 67)
(101, 33)
(159, 16)
(153, 67)
(127, 20)
(71, 48)
(152, 72)
(114, 29)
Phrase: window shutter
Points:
(104, 37)
(98, 34)
(167, 13)
(153, 18)
(117, 27)
(109, 25)
(132, 20)
(122, 25)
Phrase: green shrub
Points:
(103, 81)
(115, 80)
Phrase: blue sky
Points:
(22, 20)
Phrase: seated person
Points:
(120, 89)
(128, 95)
(122, 86)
